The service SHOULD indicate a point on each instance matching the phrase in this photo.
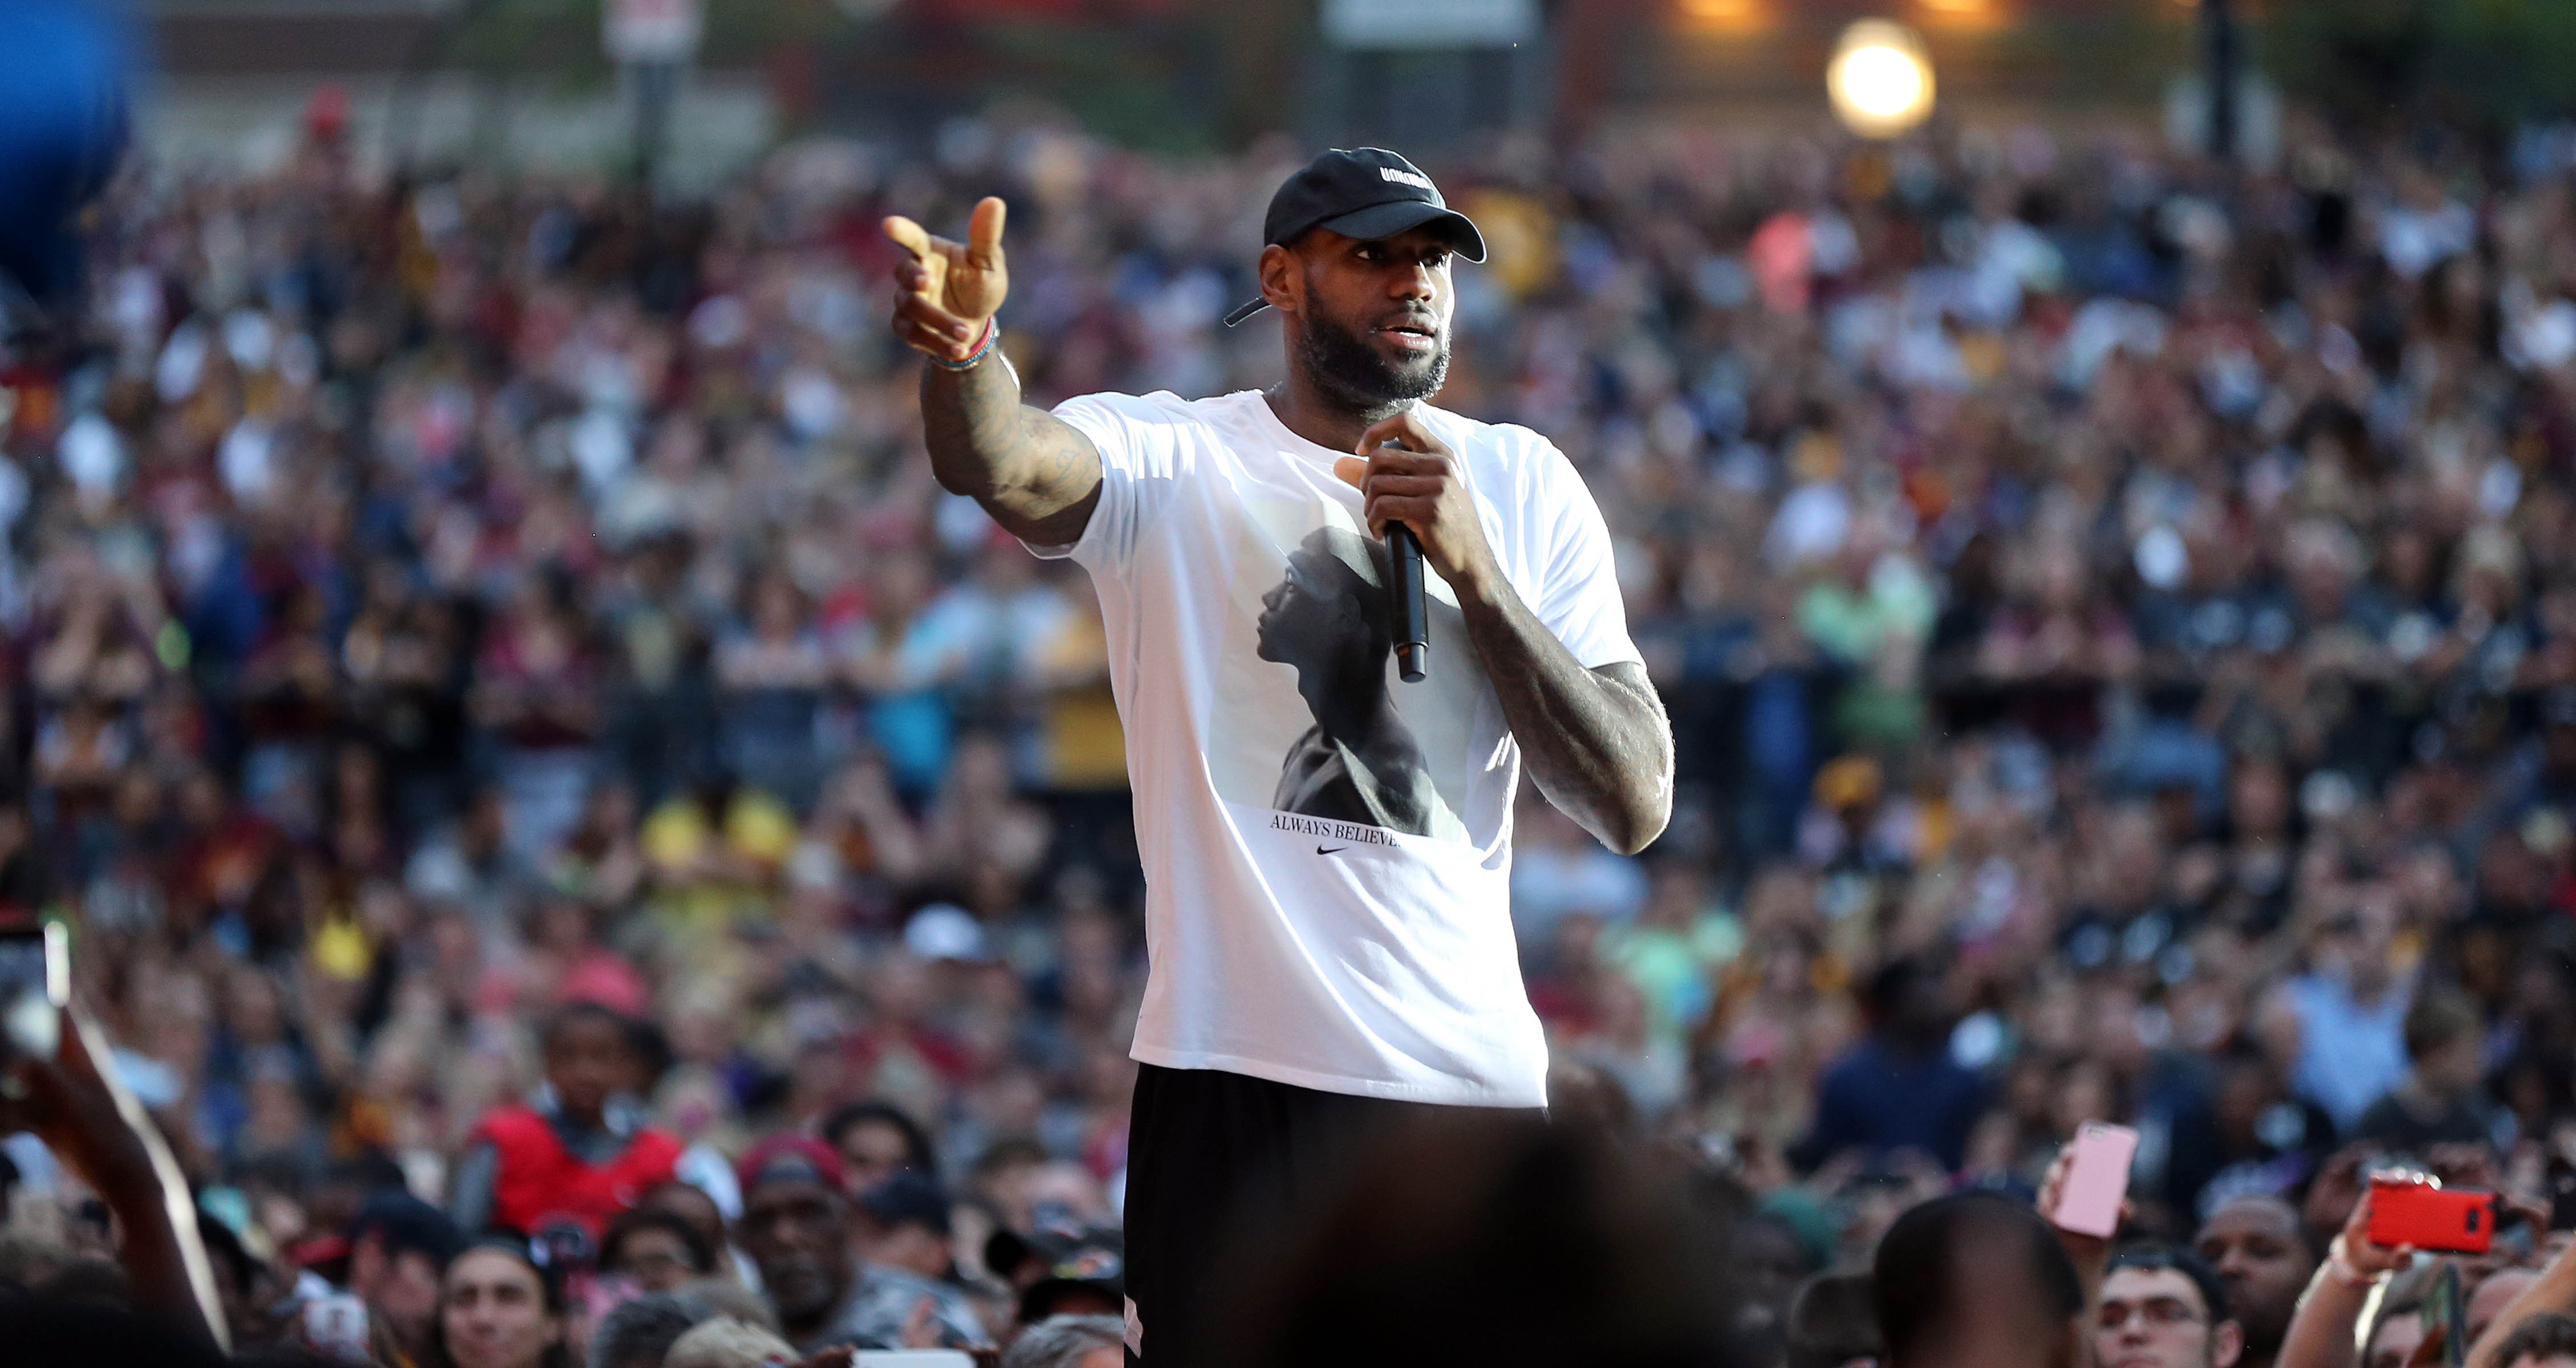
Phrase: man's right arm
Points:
(1034, 472)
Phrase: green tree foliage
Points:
(2389, 63)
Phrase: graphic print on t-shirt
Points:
(1343, 955)
(1361, 746)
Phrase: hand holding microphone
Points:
(1414, 496)
(1405, 594)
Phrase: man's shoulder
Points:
(1161, 407)
(1510, 442)
(882, 1305)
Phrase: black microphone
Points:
(1404, 589)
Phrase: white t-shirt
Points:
(1327, 849)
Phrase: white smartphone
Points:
(35, 985)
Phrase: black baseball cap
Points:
(1092, 1259)
(406, 1224)
(904, 1197)
(1361, 192)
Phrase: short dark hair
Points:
(917, 1150)
(641, 1331)
(550, 1283)
(1916, 1279)
(1831, 1322)
(2544, 1336)
(2149, 1256)
(581, 1010)
(702, 1256)
(2438, 1016)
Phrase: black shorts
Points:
(1212, 1153)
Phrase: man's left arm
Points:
(1597, 741)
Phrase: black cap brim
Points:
(1381, 221)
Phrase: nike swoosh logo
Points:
(1330, 850)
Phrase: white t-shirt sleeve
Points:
(1140, 458)
(1578, 578)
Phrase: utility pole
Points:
(653, 41)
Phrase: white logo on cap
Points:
(1413, 178)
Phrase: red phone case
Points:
(2450, 1220)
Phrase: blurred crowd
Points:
(484, 666)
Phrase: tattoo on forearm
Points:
(1034, 473)
(1596, 741)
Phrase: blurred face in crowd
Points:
(2156, 1318)
(2454, 1067)
(872, 1149)
(1371, 326)
(691, 1204)
(2396, 1341)
(908, 1245)
(658, 1260)
(1768, 1263)
(2495, 1294)
(588, 1061)
(400, 1287)
(798, 1235)
(493, 1312)
(2259, 1252)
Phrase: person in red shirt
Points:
(579, 1155)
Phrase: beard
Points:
(1346, 366)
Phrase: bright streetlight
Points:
(1880, 79)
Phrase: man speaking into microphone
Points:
(1327, 850)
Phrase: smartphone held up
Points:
(2431, 1217)
(2096, 1181)
(35, 983)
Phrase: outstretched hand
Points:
(950, 289)
(75, 1103)
(70, 1102)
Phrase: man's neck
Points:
(2425, 1100)
(802, 1329)
(1307, 409)
(1348, 700)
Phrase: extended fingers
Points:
(908, 235)
(984, 231)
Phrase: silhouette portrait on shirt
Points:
(1329, 620)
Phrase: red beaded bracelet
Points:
(992, 332)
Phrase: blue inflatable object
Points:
(63, 123)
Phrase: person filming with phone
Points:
(52, 1083)
(1326, 841)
